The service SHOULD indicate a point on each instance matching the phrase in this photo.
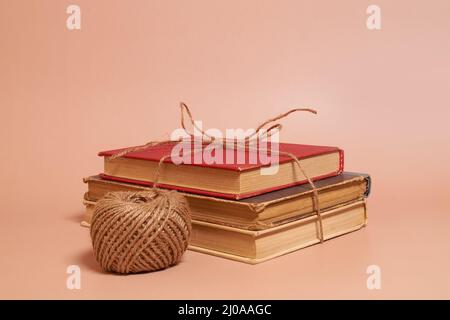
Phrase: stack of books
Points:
(239, 213)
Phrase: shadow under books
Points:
(76, 216)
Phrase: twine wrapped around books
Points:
(146, 231)
(184, 109)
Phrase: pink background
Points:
(382, 96)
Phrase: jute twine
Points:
(250, 144)
(146, 231)
(140, 231)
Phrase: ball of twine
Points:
(140, 231)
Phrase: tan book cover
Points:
(258, 212)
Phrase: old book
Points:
(258, 246)
(228, 179)
(258, 212)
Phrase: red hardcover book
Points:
(230, 173)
